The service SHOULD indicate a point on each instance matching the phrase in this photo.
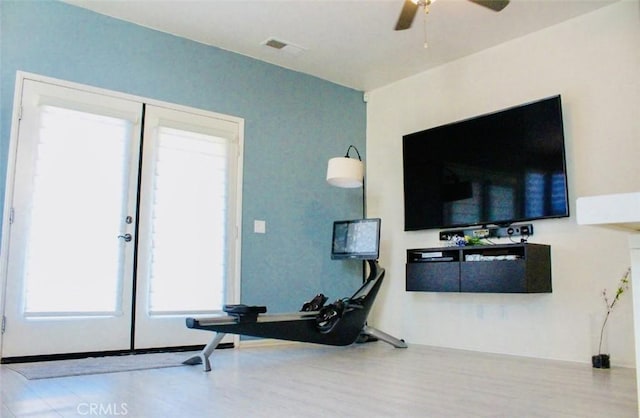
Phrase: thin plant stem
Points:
(622, 287)
(604, 324)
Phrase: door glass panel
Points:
(189, 231)
(73, 260)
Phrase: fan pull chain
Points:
(424, 27)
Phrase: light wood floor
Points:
(366, 380)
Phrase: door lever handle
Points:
(126, 237)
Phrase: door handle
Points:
(126, 237)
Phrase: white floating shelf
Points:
(619, 211)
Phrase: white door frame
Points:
(11, 166)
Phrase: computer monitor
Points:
(357, 239)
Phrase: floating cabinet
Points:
(508, 268)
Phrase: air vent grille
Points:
(283, 46)
(274, 43)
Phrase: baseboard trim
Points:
(265, 342)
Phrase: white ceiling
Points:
(348, 42)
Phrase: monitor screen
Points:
(357, 239)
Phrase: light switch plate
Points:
(259, 227)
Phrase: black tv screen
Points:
(494, 169)
(357, 239)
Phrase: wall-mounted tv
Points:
(495, 169)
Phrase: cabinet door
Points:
(504, 276)
(433, 276)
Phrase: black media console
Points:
(501, 268)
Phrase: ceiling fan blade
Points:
(495, 5)
(408, 13)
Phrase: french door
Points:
(115, 233)
(187, 239)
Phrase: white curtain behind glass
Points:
(73, 262)
(188, 223)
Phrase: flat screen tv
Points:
(357, 239)
(495, 169)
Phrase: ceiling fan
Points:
(410, 8)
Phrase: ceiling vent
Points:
(283, 46)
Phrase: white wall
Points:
(594, 62)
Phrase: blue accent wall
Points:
(293, 124)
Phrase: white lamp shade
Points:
(345, 172)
